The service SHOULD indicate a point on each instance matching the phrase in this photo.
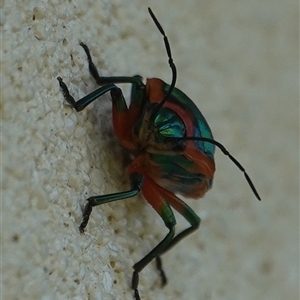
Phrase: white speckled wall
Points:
(238, 60)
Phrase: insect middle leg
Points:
(136, 181)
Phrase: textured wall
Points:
(237, 59)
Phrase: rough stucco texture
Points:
(238, 60)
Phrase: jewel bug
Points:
(173, 149)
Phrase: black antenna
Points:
(208, 140)
(224, 150)
(171, 63)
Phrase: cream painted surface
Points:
(238, 60)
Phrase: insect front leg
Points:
(124, 117)
(138, 88)
(112, 79)
(85, 101)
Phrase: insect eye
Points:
(168, 124)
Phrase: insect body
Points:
(174, 145)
